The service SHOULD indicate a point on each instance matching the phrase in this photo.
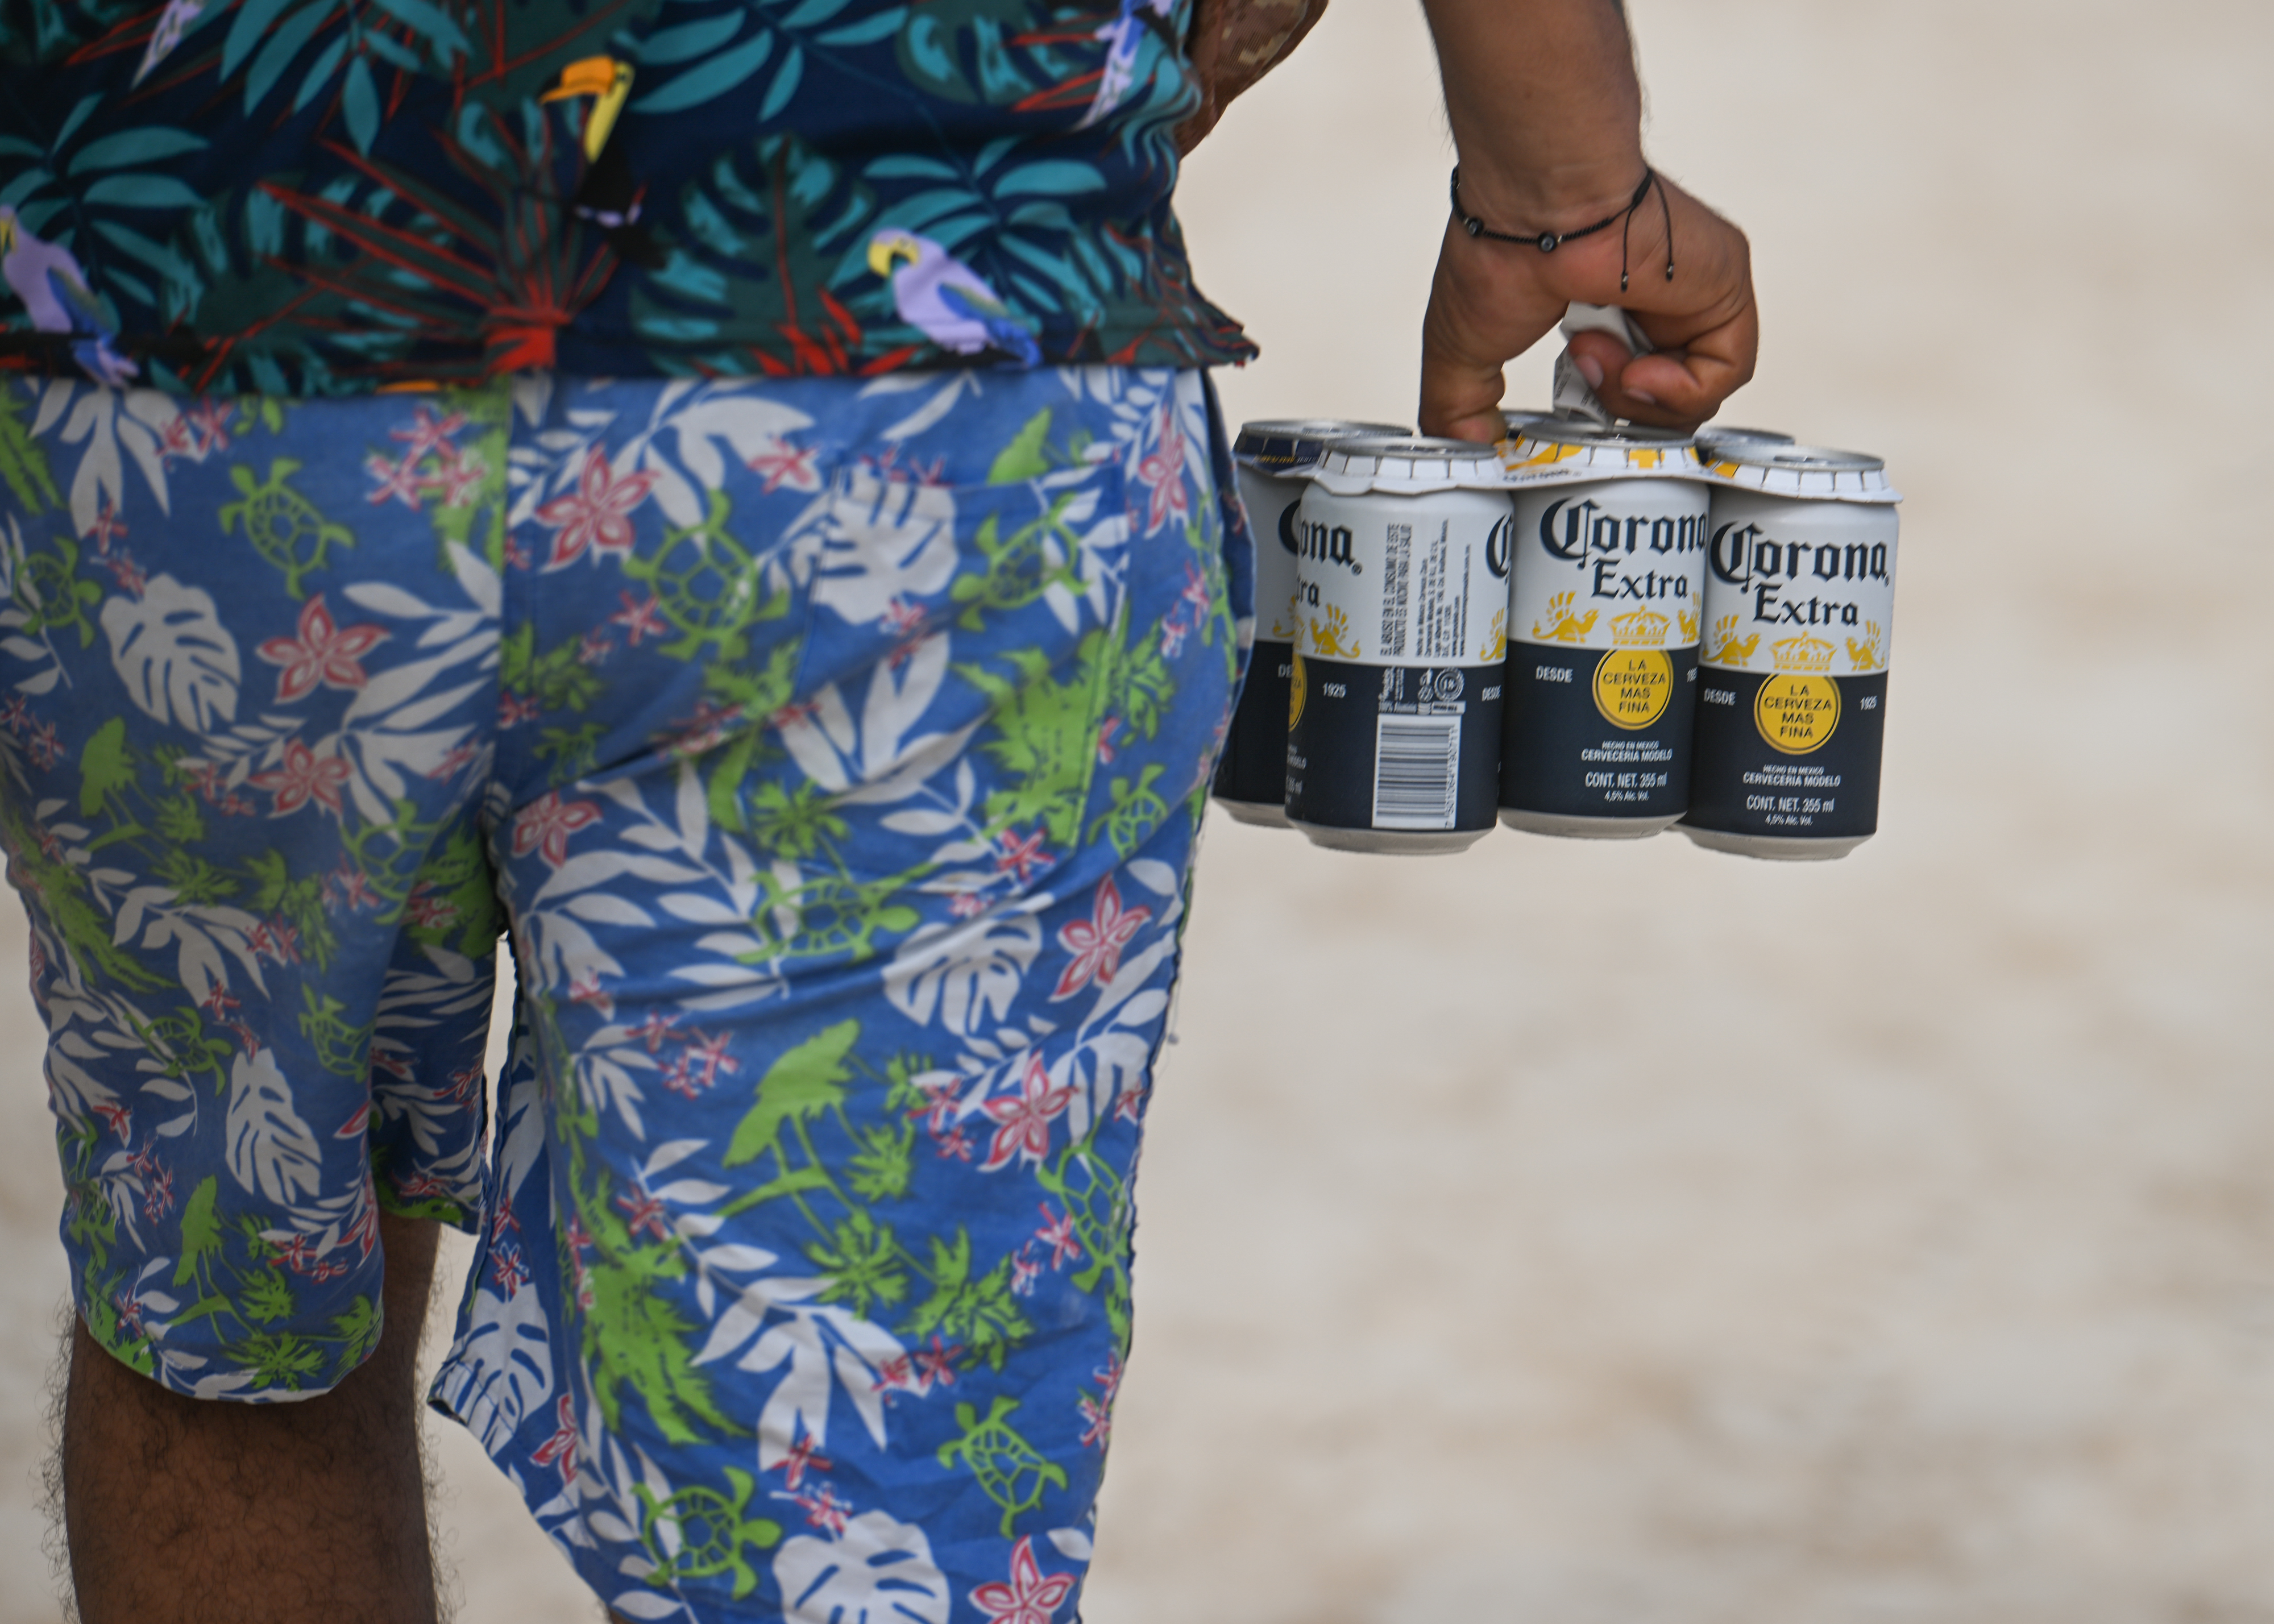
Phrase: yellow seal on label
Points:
(1796, 713)
(1632, 686)
(1295, 689)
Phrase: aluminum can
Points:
(1250, 777)
(1714, 436)
(1602, 661)
(1800, 593)
(1393, 738)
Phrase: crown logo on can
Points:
(1802, 653)
(1644, 629)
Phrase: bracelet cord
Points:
(1548, 242)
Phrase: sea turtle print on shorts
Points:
(282, 525)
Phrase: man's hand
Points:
(1545, 114)
(1492, 301)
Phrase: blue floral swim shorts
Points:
(832, 752)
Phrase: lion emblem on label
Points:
(1728, 649)
(1288, 624)
(1563, 626)
(1327, 636)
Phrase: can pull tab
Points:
(1573, 394)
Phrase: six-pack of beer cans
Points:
(1585, 630)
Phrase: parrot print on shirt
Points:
(55, 294)
(947, 299)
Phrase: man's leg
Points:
(186, 1510)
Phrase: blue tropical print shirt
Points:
(328, 197)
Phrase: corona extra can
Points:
(1401, 570)
(1800, 593)
(1251, 777)
(1715, 437)
(1602, 656)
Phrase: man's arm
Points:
(1546, 115)
(1232, 44)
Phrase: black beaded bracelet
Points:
(1548, 242)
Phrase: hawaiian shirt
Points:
(320, 197)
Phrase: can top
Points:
(1810, 473)
(1407, 465)
(1273, 445)
(1715, 434)
(1515, 418)
(1564, 449)
(1568, 429)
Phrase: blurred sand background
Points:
(1571, 1234)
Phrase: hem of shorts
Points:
(462, 1217)
(233, 1395)
(446, 1395)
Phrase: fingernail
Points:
(1646, 399)
(1592, 370)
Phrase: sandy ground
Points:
(1563, 1235)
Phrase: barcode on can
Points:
(1396, 566)
(1417, 772)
